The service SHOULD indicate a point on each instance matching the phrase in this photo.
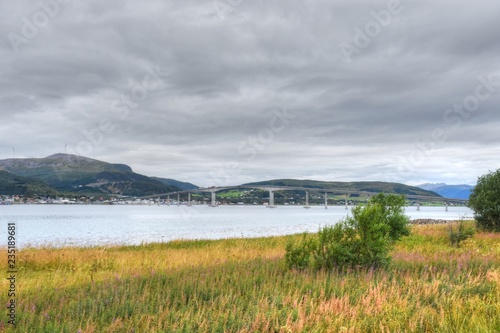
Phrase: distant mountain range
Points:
(449, 191)
(352, 186)
(65, 173)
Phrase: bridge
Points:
(271, 188)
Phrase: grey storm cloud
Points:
(227, 91)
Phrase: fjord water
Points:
(98, 225)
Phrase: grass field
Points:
(242, 285)
(231, 194)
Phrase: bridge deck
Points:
(215, 189)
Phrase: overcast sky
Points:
(232, 91)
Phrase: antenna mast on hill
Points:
(13, 152)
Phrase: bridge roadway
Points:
(271, 188)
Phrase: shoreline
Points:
(434, 221)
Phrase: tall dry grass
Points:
(242, 285)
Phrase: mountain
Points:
(16, 185)
(71, 173)
(352, 186)
(449, 191)
(182, 185)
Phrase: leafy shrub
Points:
(485, 201)
(298, 255)
(460, 233)
(363, 239)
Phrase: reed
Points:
(242, 285)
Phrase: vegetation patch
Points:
(361, 240)
(244, 285)
(485, 201)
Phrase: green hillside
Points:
(351, 186)
(176, 183)
(59, 167)
(77, 174)
(16, 185)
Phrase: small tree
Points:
(485, 201)
(460, 233)
(364, 239)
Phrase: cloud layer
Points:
(229, 91)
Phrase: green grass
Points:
(242, 285)
(231, 194)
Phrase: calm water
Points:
(89, 225)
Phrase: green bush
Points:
(298, 255)
(485, 201)
(459, 234)
(363, 239)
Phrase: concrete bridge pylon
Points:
(271, 199)
(307, 200)
(213, 202)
